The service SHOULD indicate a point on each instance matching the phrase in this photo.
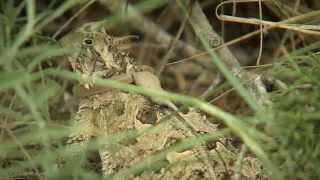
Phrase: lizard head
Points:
(97, 54)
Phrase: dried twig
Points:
(166, 58)
(261, 33)
(150, 29)
(306, 17)
(252, 81)
(72, 18)
(307, 29)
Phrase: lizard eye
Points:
(87, 42)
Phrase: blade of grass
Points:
(22, 36)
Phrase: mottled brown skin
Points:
(105, 111)
(96, 53)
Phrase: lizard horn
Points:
(124, 43)
(125, 39)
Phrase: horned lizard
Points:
(104, 112)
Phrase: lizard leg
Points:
(110, 163)
(147, 79)
(78, 141)
(105, 161)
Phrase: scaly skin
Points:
(105, 111)
(98, 55)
